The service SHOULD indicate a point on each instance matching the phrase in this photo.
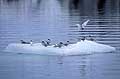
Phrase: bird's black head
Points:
(68, 41)
(61, 43)
(49, 39)
(21, 40)
(42, 41)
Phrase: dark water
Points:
(55, 19)
(98, 66)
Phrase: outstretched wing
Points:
(85, 23)
(82, 25)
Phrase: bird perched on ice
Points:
(24, 42)
(48, 42)
(31, 42)
(82, 25)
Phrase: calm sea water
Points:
(55, 19)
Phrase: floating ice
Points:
(82, 47)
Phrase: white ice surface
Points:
(82, 47)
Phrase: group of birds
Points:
(47, 43)
(60, 44)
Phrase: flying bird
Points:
(82, 25)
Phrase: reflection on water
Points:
(56, 19)
(101, 6)
(105, 66)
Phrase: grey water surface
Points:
(55, 19)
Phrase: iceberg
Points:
(81, 47)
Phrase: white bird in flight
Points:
(82, 25)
